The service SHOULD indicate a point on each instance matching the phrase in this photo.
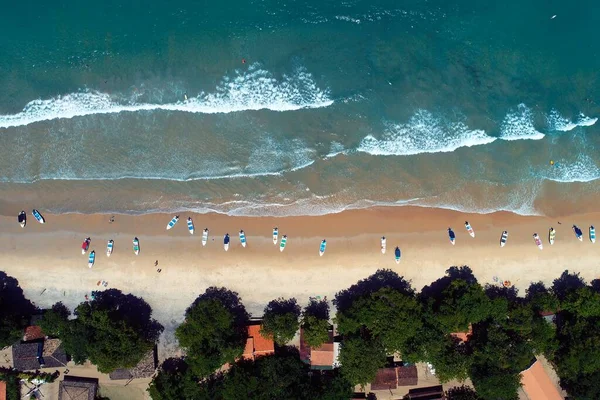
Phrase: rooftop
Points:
(38, 354)
(2, 390)
(145, 368)
(463, 336)
(76, 388)
(33, 332)
(256, 344)
(537, 384)
(392, 377)
(322, 356)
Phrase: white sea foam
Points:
(423, 133)
(557, 122)
(583, 169)
(254, 89)
(518, 125)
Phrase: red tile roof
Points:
(322, 356)
(2, 390)
(256, 344)
(537, 384)
(33, 332)
(463, 336)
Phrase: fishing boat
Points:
(172, 222)
(109, 247)
(38, 216)
(91, 259)
(452, 236)
(22, 218)
(283, 242)
(243, 238)
(190, 224)
(204, 236)
(322, 248)
(503, 238)
(538, 241)
(551, 236)
(85, 245)
(469, 229)
(578, 233)
(275, 235)
(226, 242)
(592, 234)
(383, 245)
(397, 254)
(136, 246)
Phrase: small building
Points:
(78, 388)
(256, 344)
(2, 390)
(48, 353)
(537, 385)
(463, 336)
(144, 369)
(323, 357)
(391, 377)
(426, 393)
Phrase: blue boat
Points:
(397, 254)
(451, 235)
(226, 242)
(243, 238)
(91, 259)
(578, 233)
(322, 248)
(190, 225)
(38, 216)
(173, 222)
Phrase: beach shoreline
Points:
(47, 261)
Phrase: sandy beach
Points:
(47, 260)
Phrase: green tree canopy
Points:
(361, 356)
(462, 393)
(280, 320)
(214, 331)
(175, 381)
(114, 330)
(55, 321)
(315, 323)
(15, 310)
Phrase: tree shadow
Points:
(436, 288)
(174, 365)
(15, 310)
(566, 284)
(595, 284)
(383, 278)
(502, 292)
(129, 308)
(318, 309)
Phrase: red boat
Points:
(85, 245)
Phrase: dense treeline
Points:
(378, 316)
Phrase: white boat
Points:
(469, 229)
(592, 234)
(322, 248)
(275, 235)
(85, 245)
(578, 233)
(283, 242)
(109, 247)
(204, 236)
(172, 222)
(503, 238)
(452, 236)
(22, 218)
(383, 245)
(190, 224)
(136, 246)
(38, 216)
(538, 241)
(397, 255)
(226, 242)
(91, 259)
(243, 238)
(551, 236)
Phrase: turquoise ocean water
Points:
(300, 107)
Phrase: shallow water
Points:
(300, 107)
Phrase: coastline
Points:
(47, 262)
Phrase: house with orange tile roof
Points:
(322, 357)
(537, 385)
(2, 390)
(256, 344)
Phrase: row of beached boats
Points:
(536, 237)
(85, 246)
(22, 217)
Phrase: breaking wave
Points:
(518, 125)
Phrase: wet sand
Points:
(47, 259)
